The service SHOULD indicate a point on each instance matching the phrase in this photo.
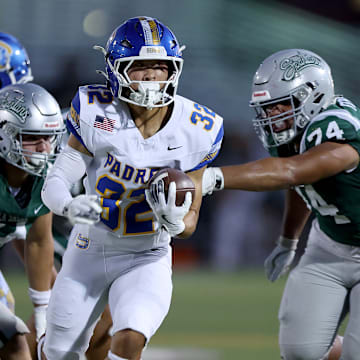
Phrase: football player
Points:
(313, 137)
(15, 68)
(121, 134)
(30, 128)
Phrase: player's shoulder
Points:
(191, 106)
(338, 122)
(341, 110)
(93, 88)
(95, 95)
(199, 118)
(90, 100)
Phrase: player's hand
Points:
(167, 213)
(83, 209)
(40, 299)
(280, 259)
(40, 320)
(213, 180)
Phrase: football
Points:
(183, 183)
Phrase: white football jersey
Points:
(124, 161)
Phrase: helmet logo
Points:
(15, 106)
(5, 53)
(293, 65)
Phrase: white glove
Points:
(83, 209)
(280, 259)
(40, 320)
(167, 213)
(213, 180)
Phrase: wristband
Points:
(39, 297)
(290, 244)
(219, 179)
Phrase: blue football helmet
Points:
(142, 38)
(14, 62)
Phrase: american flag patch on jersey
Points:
(104, 123)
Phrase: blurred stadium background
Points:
(223, 308)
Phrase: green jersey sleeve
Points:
(13, 215)
(336, 124)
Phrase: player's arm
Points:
(39, 258)
(192, 217)
(295, 217)
(70, 167)
(19, 246)
(74, 143)
(322, 161)
(296, 214)
(39, 253)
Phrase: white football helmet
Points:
(28, 109)
(294, 76)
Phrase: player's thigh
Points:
(77, 300)
(71, 318)
(311, 308)
(351, 345)
(140, 299)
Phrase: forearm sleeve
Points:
(69, 167)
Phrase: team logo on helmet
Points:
(293, 65)
(15, 105)
(5, 53)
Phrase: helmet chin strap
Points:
(147, 95)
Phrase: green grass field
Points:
(227, 315)
(235, 315)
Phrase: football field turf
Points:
(213, 316)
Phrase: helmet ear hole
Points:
(126, 43)
(311, 85)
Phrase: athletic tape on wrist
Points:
(39, 297)
(290, 244)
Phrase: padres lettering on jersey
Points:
(335, 200)
(124, 161)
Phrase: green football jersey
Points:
(19, 212)
(335, 200)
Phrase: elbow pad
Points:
(70, 166)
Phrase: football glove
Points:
(83, 209)
(213, 180)
(280, 259)
(40, 300)
(40, 320)
(169, 216)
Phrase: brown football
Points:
(183, 183)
